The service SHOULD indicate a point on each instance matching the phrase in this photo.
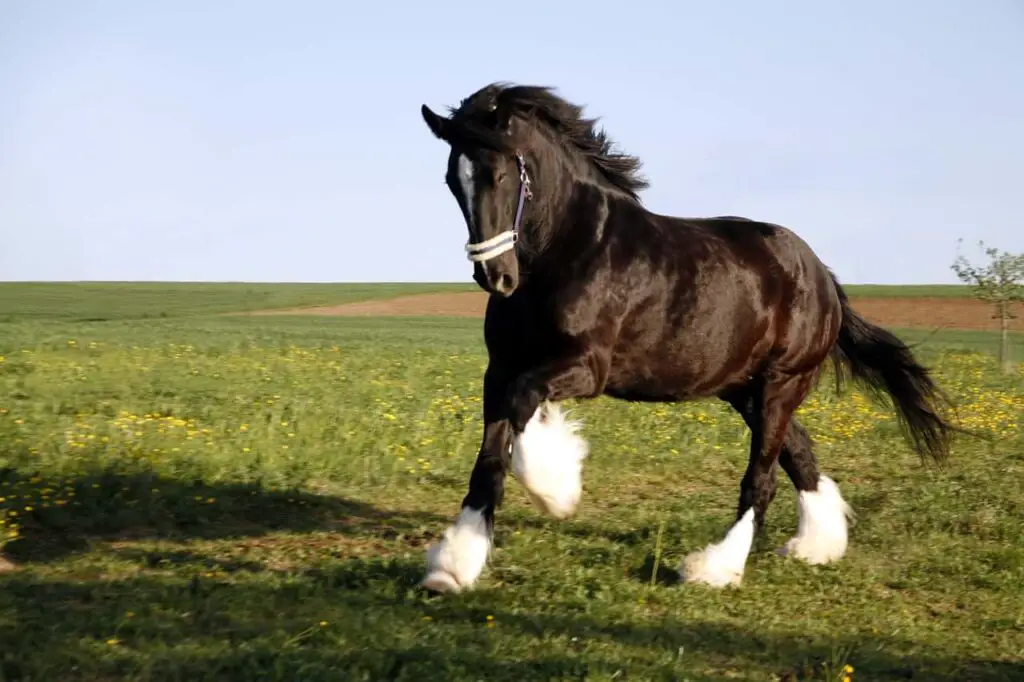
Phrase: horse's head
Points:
(488, 177)
(500, 137)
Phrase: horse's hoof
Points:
(456, 562)
(441, 582)
(707, 569)
(822, 534)
(721, 564)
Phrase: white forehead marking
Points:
(466, 170)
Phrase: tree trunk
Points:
(1004, 337)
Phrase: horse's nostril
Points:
(504, 284)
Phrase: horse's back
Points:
(730, 296)
(796, 290)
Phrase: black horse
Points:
(592, 294)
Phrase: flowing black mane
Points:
(479, 112)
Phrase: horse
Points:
(591, 294)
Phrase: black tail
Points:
(885, 364)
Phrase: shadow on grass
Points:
(57, 518)
(790, 656)
(666, 576)
(358, 620)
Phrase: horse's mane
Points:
(479, 113)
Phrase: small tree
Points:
(1000, 283)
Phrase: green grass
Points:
(251, 498)
(97, 301)
(962, 339)
(908, 290)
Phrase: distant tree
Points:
(1001, 283)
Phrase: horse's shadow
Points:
(382, 642)
(112, 507)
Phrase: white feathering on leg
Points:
(722, 564)
(457, 561)
(821, 535)
(547, 458)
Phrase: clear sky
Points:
(282, 141)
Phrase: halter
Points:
(499, 244)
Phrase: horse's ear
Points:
(437, 124)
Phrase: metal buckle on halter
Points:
(524, 177)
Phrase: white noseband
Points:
(495, 246)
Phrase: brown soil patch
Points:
(911, 312)
(468, 304)
(932, 313)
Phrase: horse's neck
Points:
(572, 213)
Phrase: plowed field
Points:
(910, 312)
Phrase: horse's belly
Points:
(677, 374)
(649, 384)
(639, 394)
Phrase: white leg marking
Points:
(821, 533)
(457, 561)
(466, 171)
(547, 458)
(722, 564)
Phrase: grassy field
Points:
(100, 301)
(237, 499)
(930, 341)
(907, 290)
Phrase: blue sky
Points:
(282, 141)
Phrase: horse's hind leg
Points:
(767, 405)
(821, 535)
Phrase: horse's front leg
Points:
(457, 560)
(547, 450)
(521, 419)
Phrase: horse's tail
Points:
(885, 364)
